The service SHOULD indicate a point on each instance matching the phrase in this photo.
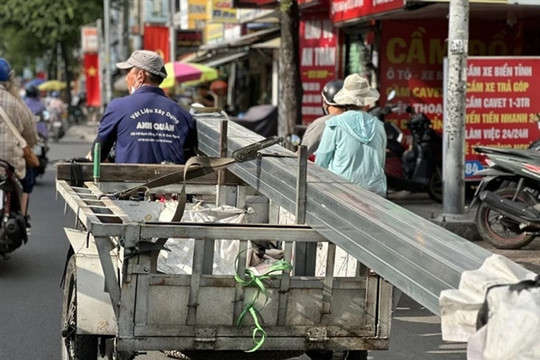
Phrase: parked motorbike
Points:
(508, 197)
(12, 222)
(417, 168)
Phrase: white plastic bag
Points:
(512, 330)
(179, 260)
(459, 307)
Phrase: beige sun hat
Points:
(356, 91)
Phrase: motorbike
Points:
(13, 223)
(42, 147)
(418, 167)
(76, 114)
(58, 124)
(508, 197)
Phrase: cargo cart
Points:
(118, 304)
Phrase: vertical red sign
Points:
(502, 104)
(318, 54)
(91, 70)
(156, 38)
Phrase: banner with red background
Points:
(156, 38)
(318, 61)
(412, 62)
(91, 70)
(502, 106)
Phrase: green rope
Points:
(259, 335)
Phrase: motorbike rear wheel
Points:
(500, 231)
(435, 186)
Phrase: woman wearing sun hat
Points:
(353, 144)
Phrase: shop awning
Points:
(246, 40)
(270, 44)
(221, 59)
(438, 9)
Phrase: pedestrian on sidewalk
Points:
(353, 144)
(314, 131)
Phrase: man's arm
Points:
(105, 149)
(106, 135)
(192, 141)
(313, 134)
(29, 132)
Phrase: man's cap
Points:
(146, 60)
(356, 91)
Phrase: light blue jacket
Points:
(353, 145)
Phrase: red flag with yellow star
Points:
(156, 38)
(91, 70)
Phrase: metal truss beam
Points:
(418, 257)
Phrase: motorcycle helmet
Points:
(330, 89)
(5, 70)
(32, 91)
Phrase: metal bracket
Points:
(317, 334)
(251, 151)
(205, 338)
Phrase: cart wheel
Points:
(74, 347)
(355, 355)
(337, 355)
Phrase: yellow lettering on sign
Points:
(416, 52)
(395, 50)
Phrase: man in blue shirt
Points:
(146, 126)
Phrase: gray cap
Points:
(146, 60)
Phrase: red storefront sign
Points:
(502, 104)
(412, 64)
(318, 52)
(189, 38)
(343, 10)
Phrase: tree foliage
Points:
(38, 28)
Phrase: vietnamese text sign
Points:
(502, 104)
(318, 51)
(89, 42)
(411, 64)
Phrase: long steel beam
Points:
(415, 255)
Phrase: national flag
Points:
(91, 70)
(156, 38)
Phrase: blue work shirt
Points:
(353, 145)
(148, 128)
